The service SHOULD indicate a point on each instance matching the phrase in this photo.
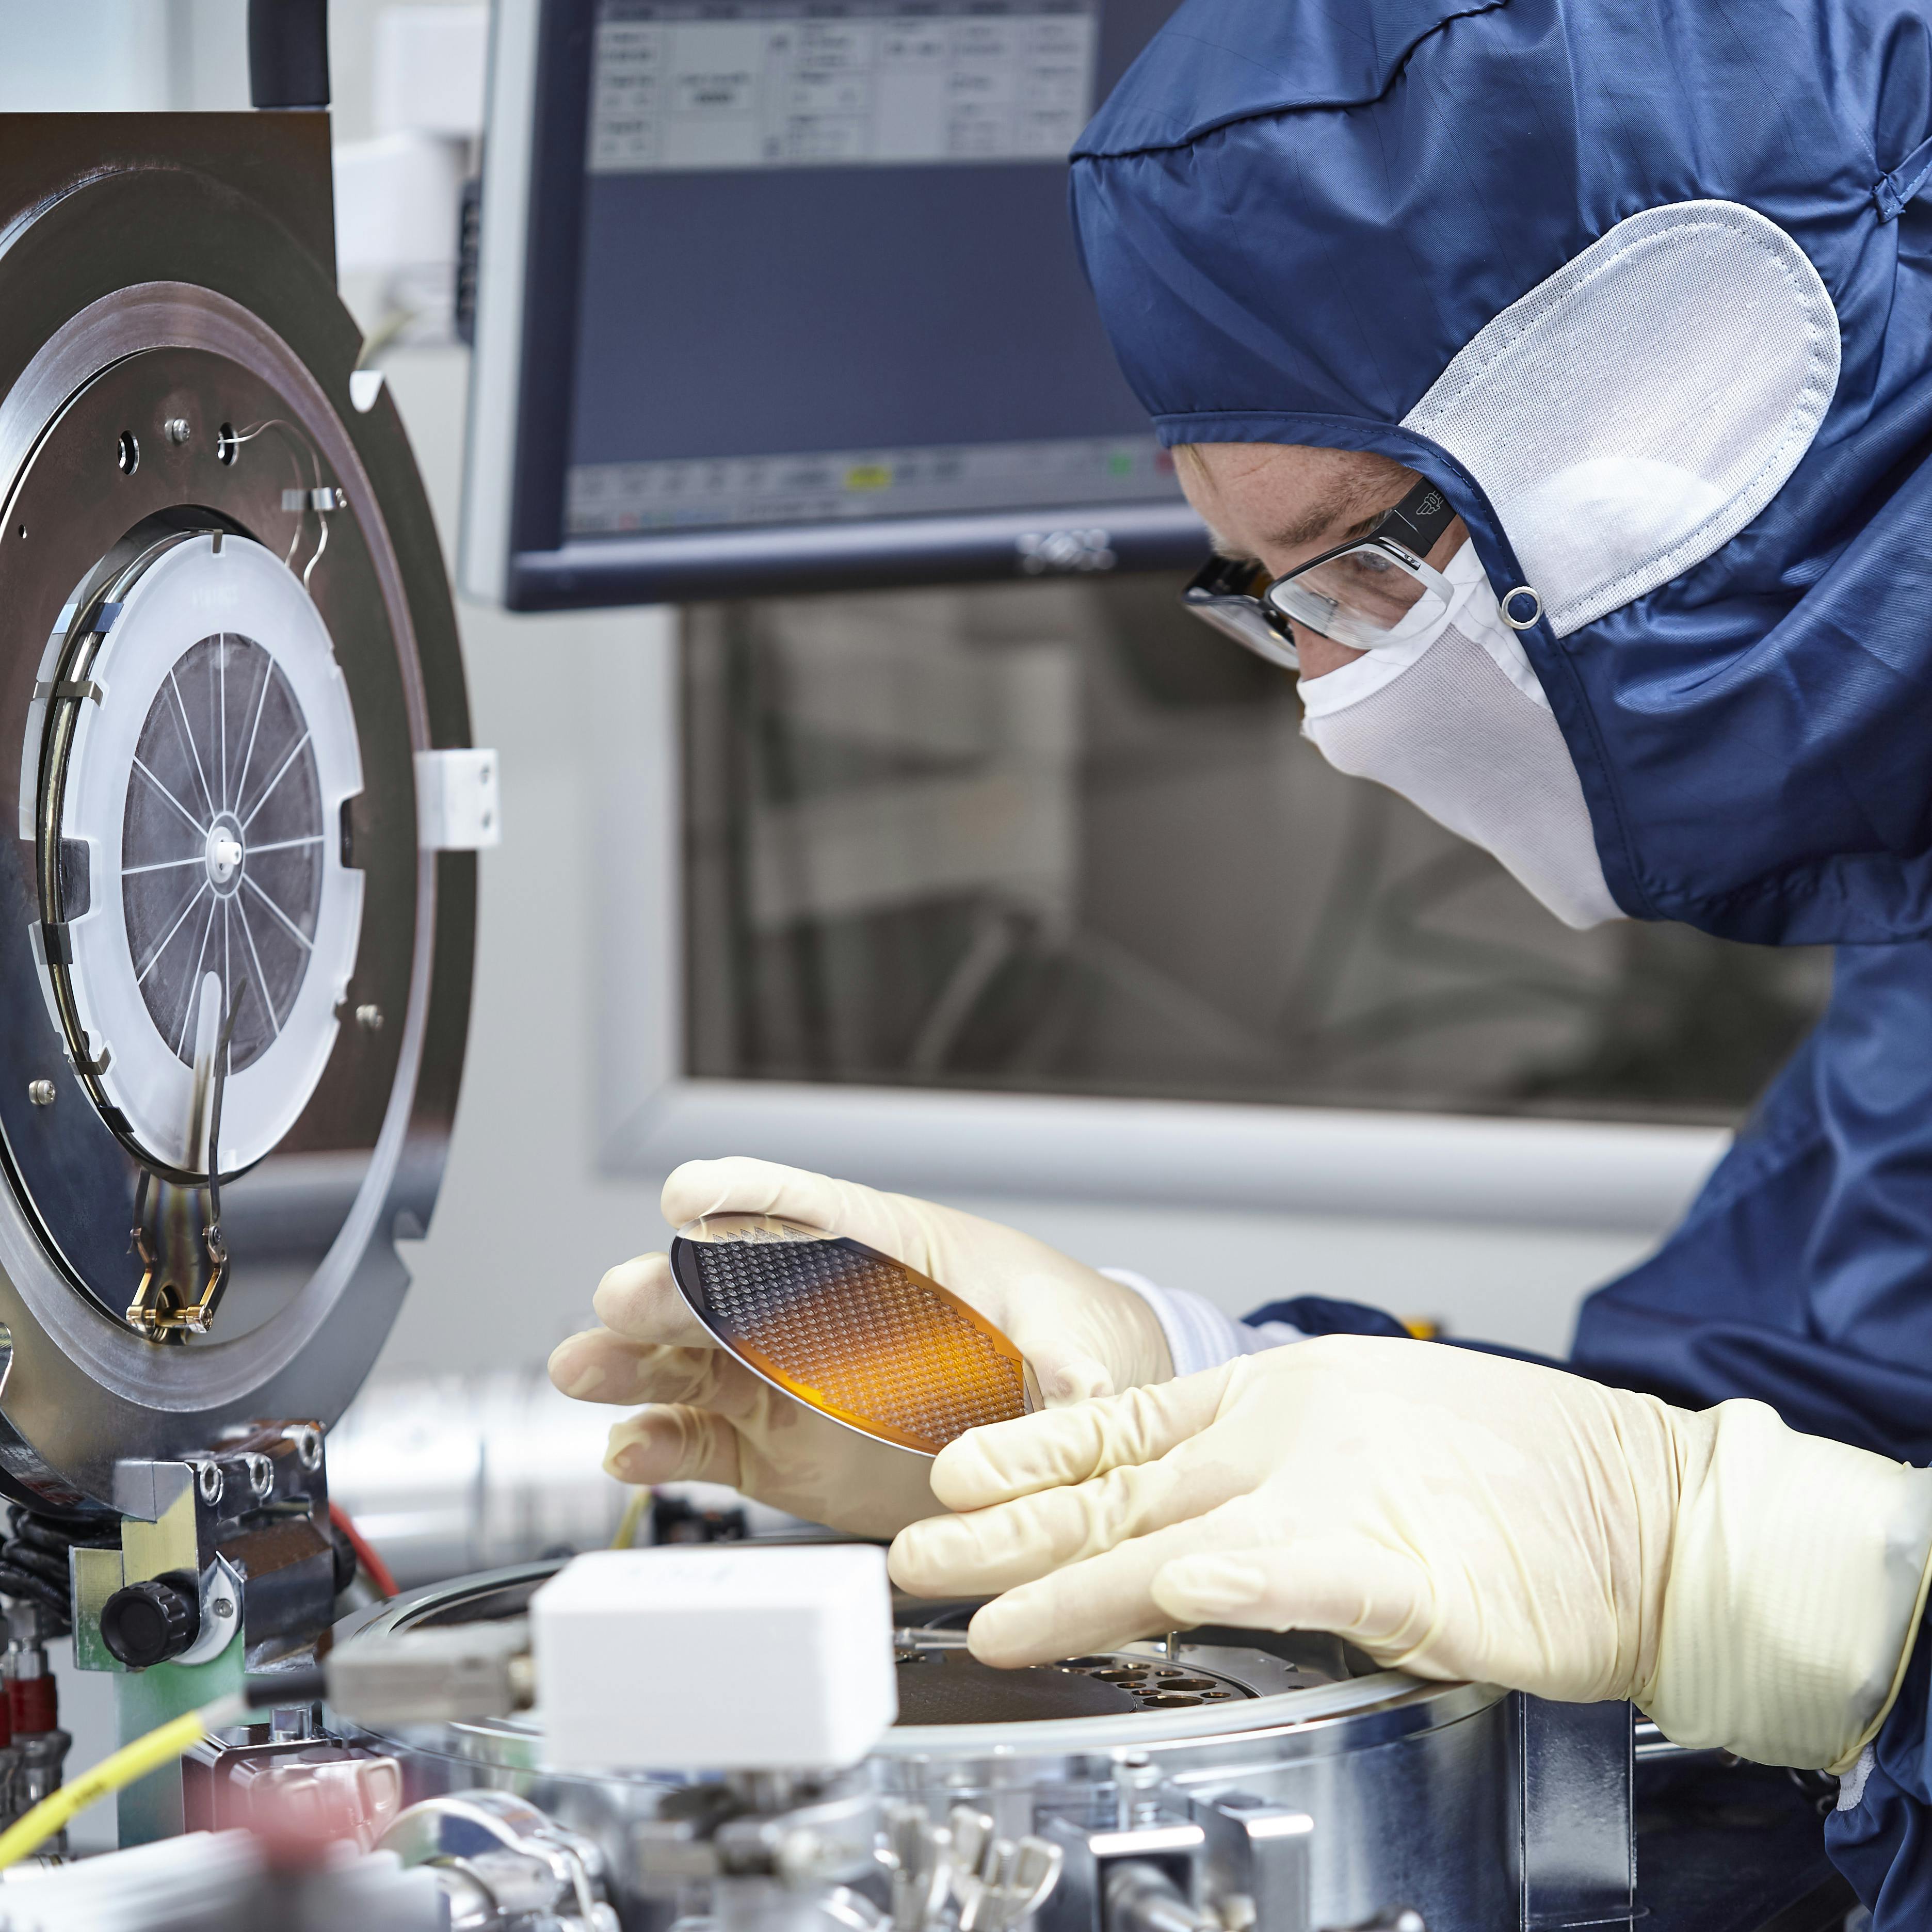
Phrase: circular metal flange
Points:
(1323, 1719)
(1411, 1785)
(213, 319)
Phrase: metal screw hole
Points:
(128, 454)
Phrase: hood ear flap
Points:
(1631, 415)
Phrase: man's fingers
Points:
(639, 1300)
(739, 1185)
(1064, 1375)
(602, 1367)
(1011, 1543)
(1377, 1598)
(1099, 1604)
(1006, 1459)
(596, 1366)
(674, 1444)
(894, 1224)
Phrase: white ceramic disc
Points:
(207, 785)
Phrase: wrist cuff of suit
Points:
(1199, 1335)
(1798, 1575)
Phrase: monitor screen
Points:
(796, 304)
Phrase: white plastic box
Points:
(712, 1657)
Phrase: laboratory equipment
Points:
(235, 952)
(1228, 1779)
(788, 299)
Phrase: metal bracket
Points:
(220, 1589)
(457, 809)
(1256, 1860)
(1575, 1773)
(1168, 1844)
(96, 1064)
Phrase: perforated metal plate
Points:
(857, 1336)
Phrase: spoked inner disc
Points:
(221, 860)
(201, 746)
(855, 1335)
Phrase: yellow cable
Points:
(130, 1762)
(634, 1513)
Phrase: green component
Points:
(151, 1808)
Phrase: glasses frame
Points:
(1239, 598)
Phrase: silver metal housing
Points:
(1410, 1793)
(166, 282)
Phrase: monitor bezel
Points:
(514, 549)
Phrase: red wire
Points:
(372, 1566)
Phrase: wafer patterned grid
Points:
(869, 1339)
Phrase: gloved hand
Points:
(715, 1421)
(1460, 1516)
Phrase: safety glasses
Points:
(1372, 590)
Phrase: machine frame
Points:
(212, 234)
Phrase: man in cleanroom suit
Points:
(1556, 377)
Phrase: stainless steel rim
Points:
(1317, 1722)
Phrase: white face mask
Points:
(1626, 417)
(1454, 720)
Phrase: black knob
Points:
(149, 1623)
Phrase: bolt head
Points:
(40, 1092)
(369, 1019)
(176, 429)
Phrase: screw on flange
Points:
(369, 1019)
(40, 1092)
(175, 429)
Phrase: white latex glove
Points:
(714, 1421)
(1461, 1516)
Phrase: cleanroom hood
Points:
(1645, 287)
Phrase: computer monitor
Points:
(782, 295)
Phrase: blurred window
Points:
(1059, 838)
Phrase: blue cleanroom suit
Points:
(1295, 214)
